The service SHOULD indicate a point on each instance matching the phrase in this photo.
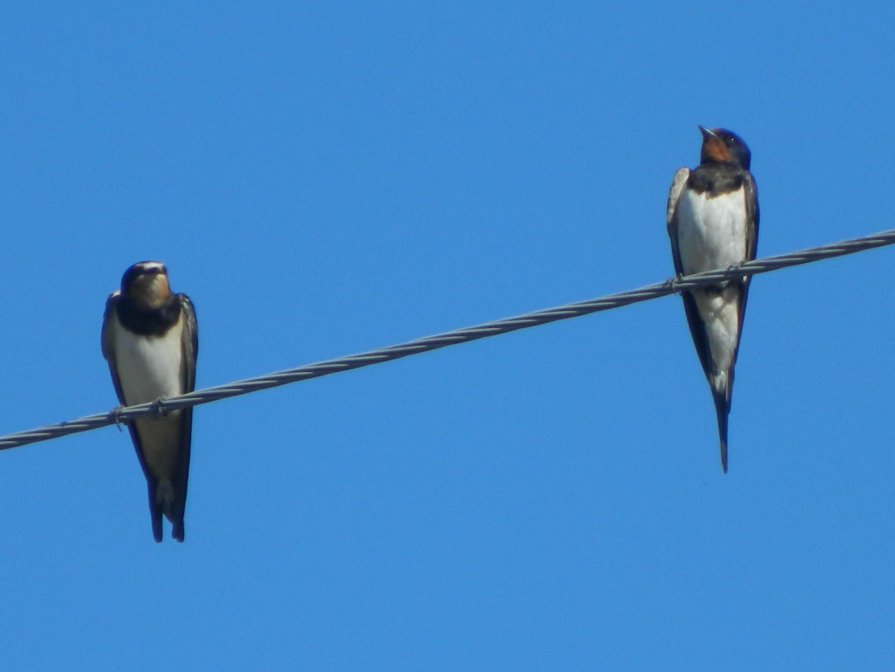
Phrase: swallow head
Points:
(146, 283)
(722, 146)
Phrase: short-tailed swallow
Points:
(713, 223)
(150, 340)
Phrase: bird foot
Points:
(672, 283)
(116, 416)
(158, 407)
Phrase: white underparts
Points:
(711, 231)
(150, 368)
(712, 234)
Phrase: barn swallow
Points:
(150, 340)
(713, 223)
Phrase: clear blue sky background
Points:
(326, 178)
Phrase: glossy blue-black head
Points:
(722, 146)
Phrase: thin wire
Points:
(446, 339)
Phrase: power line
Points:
(446, 339)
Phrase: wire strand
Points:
(429, 343)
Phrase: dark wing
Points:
(108, 347)
(750, 193)
(752, 213)
(108, 344)
(697, 325)
(674, 194)
(189, 344)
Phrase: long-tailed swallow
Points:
(150, 340)
(713, 223)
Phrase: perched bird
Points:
(150, 340)
(713, 223)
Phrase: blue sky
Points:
(326, 178)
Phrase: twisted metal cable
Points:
(455, 337)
